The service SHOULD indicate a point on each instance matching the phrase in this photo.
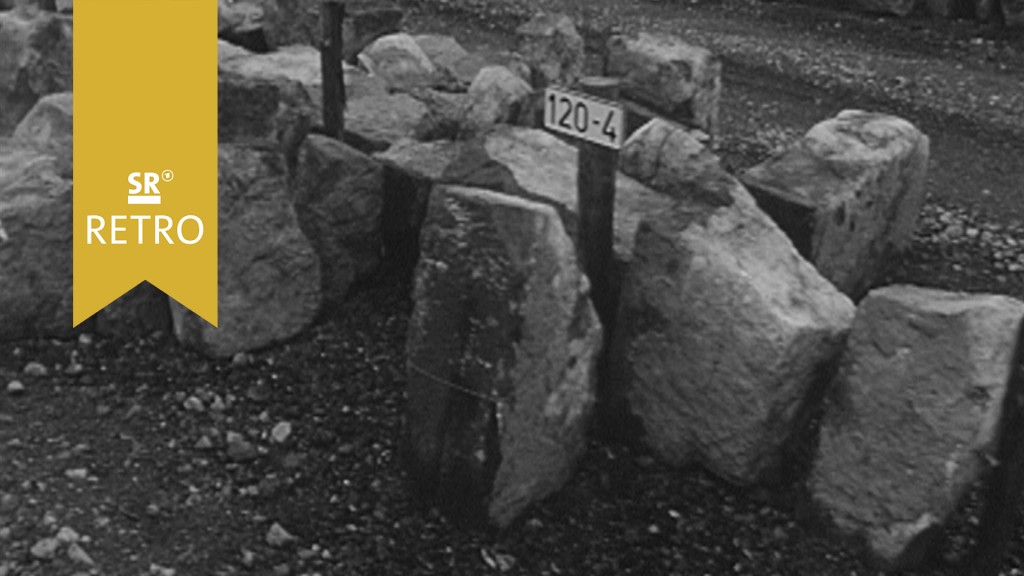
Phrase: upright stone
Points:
(269, 277)
(502, 349)
(914, 414)
(553, 48)
(338, 194)
(848, 194)
(35, 245)
(666, 73)
(35, 60)
(725, 334)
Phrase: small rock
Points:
(67, 535)
(77, 473)
(239, 449)
(281, 432)
(218, 404)
(248, 558)
(9, 503)
(74, 369)
(35, 369)
(45, 549)
(79, 556)
(204, 443)
(277, 536)
(85, 339)
(158, 570)
(5, 533)
(15, 387)
(193, 404)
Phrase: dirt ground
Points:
(141, 457)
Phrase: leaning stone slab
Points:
(502, 353)
(666, 73)
(848, 194)
(35, 60)
(914, 415)
(338, 194)
(456, 66)
(724, 334)
(269, 276)
(553, 48)
(674, 160)
(35, 245)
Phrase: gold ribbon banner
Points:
(145, 152)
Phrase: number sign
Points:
(583, 116)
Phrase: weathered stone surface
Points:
(670, 75)
(269, 277)
(914, 414)
(724, 333)
(48, 128)
(35, 60)
(673, 160)
(897, 7)
(238, 19)
(497, 95)
(35, 245)
(454, 64)
(299, 64)
(411, 169)
(400, 61)
(446, 114)
(140, 312)
(502, 353)
(553, 48)
(377, 123)
(255, 109)
(338, 193)
(848, 194)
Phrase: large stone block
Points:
(724, 335)
(914, 415)
(553, 48)
(666, 73)
(338, 194)
(502, 351)
(35, 60)
(35, 245)
(268, 273)
(848, 194)
(497, 95)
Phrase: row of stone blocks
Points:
(728, 340)
(729, 324)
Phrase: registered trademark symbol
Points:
(167, 175)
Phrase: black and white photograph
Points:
(537, 288)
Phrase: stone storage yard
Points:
(330, 498)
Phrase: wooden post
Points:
(332, 14)
(597, 168)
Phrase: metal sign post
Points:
(332, 14)
(594, 117)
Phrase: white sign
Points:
(585, 117)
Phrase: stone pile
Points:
(733, 313)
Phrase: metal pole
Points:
(332, 14)
(597, 168)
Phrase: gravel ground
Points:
(141, 457)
